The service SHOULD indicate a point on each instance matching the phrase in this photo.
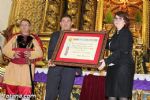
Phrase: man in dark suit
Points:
(60, 79)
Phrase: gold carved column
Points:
(99, 15)
(145, 25)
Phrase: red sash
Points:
(21, 59)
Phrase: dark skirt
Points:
(119, 80)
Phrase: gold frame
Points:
(78, 64)
(145, 23)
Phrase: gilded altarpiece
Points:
(87, 15)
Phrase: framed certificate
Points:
(79, 49)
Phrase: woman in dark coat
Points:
(120, 72)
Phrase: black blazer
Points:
(52, 45)
(120, 45)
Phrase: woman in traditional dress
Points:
(22, 49)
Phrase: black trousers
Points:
(60, 82)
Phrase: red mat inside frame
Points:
(98, 51)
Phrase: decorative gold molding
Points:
(99, 15)
(145, 24)
(74, 10)
(53, 12)
(15, 8)
(30, 9)
(148, 37)
(89, 18)
(44, 17)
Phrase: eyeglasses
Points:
(117, 19)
